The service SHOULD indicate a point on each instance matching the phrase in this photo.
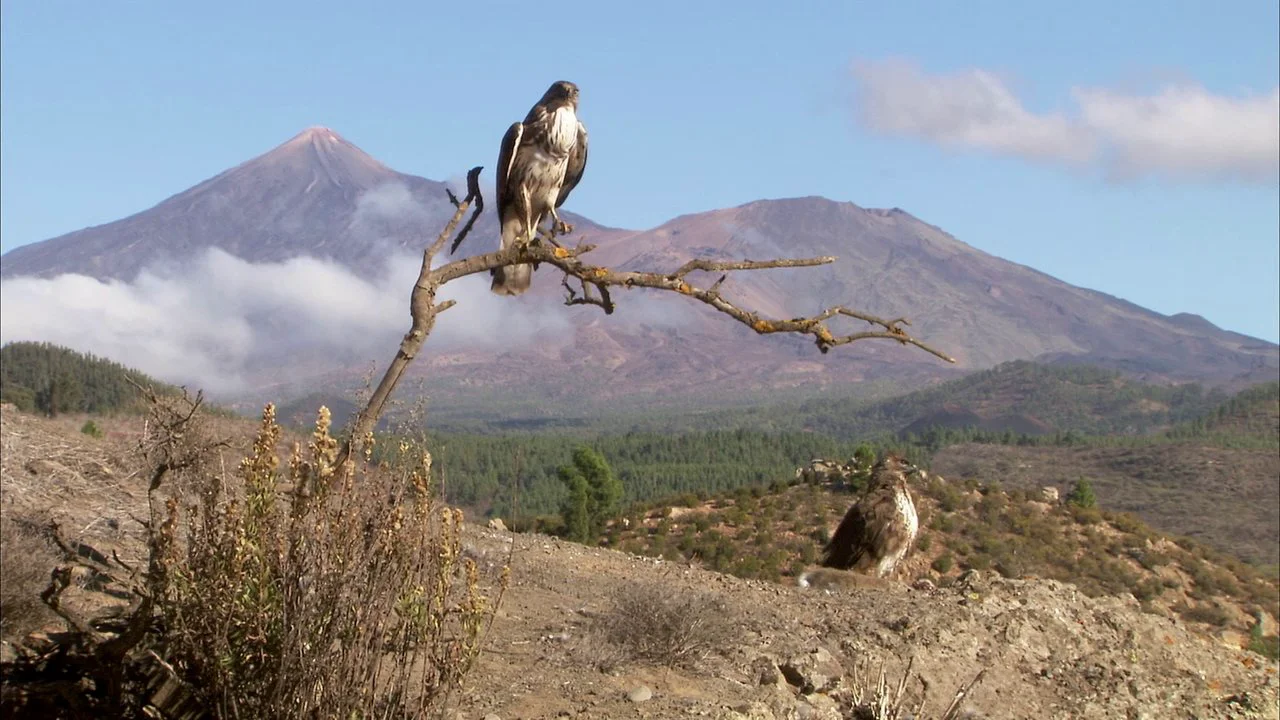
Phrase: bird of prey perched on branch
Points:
(880, 528)
(540, 162)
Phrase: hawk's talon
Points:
(561, 228)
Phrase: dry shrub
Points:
(874, 698)
(657, 623)
(26, 558)
(346, 596)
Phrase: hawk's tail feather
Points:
(513, 279)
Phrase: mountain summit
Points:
(315, 194)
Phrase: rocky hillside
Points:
(776, 534)
(577, 630)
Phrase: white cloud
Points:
(1187, 132)
(972, 108)
(1183, 132)
(210, 322)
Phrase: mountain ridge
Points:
(319, 195)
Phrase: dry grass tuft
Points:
(26, 558)
(664, 625)
(878, 700)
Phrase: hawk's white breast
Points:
(907, 510)
(564, 130)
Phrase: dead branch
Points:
(473, 191)
(594, 282)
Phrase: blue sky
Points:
(1128, 147)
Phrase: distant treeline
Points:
(1082, 398)
(1246, 420)
(47, 378)
(478, 470)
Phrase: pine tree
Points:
(594, 494)
(1082, 494)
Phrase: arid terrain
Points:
(769, 651)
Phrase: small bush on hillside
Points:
(1082, 494)
(943, 563)
(978, 561)
(1208, 614)
(269, 581)
(1086, 515)
(1267, 646)
(91, 429)
(664, 625)
(26, 558)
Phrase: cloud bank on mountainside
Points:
(213, 320)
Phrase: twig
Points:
(59, 579)
(473, 193)
(953, 710)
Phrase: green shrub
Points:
(943, 563)
(1082, 495)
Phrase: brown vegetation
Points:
(1225, 497)
(25, 560)
(776, 535)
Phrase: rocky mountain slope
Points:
(319, 195)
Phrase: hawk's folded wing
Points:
(506, 156)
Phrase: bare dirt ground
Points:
(1047, 650)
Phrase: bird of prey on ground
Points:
(880, 528)
(540, 162)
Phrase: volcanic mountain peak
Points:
(314, 194)
(322, 154)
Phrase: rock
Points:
(497, 524)
(640, 694)
(1049, 494)
(39, 642)
(818, 707)
(492, 716)
(1268, 623)
(817, 671)
(924, 585)
(971, 580)
(1232, 639)
(749, 711)
(766, 671)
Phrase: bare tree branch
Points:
(473, 193)
(594, 283)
